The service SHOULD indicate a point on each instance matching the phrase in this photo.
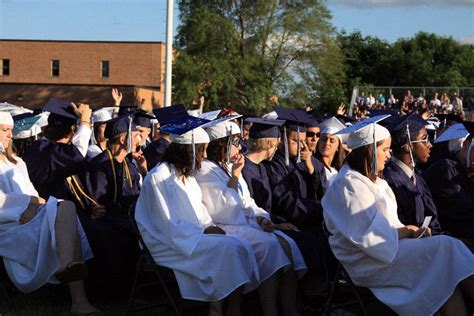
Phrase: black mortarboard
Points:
(448, 119)
(295, 119)
(469, 126)
(168, 114)
(263, 128)
(127, 110)
(61, 112)
(142, 118)
(119, 125)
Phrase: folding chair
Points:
(147, 264)
(342, 278)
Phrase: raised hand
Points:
(117, 96)
(83, 111)
(341, 110)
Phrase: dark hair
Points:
(21, 145)
(361, 160)
(217, 150)
(339, 156)
(181, 156)
(96, 130)
(56, 132)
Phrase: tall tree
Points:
(243, 53)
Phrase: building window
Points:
(55, 68)
(105, 68)
(5, 67)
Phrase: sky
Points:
(145, 20)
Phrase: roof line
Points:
(79, 41)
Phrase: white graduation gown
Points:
(93, 151)
(330, 173)
(236, 214)
(29, 250)
(171, 219)
(411, 276)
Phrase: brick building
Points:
(32, 71)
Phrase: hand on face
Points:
(238, 163)
(305, 152)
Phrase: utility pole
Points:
(169, 51)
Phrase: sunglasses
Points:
(312, 134)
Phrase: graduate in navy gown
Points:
(451, 185)
(263, 140)
(155, 151)
(296, 182)
(411, 146)
(61, 153)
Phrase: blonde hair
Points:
(10, 154)
(262, 143)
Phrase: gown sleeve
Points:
(223, 204)
(349, 207)
(81, 139)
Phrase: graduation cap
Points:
(366, 132)
(186, 130)
(226, 128)
(101, 116)
(118, 125)
(393, 116)
(296, 120)
(6, 118)
(331, 126)
(448, 119)
(14, 109)
(168, 114)
(26, 125)
(210, 115)
(456, 131)
(61, 113)
(264, 128)
(127, 110)
(404, 129)
(142, 118)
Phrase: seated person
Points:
(450, 184)
(414, 199)
(114, 183)
(180, 234)
(381, 253)
(42, 242)
(61, 153)
(228, 202)
(330, 150)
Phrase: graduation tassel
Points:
(229, 146)
(285, 140)
(129, 136)
(93, 140)
(298, 157)
(194, 150)
(242, 128)
(375, 154)
(410, 151)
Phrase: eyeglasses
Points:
(425, 140)
(312, 134)
(236, 142)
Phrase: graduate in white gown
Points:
(176, 227)
(227, 199)
(40, 241)
(412, 276)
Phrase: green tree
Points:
(244, 53)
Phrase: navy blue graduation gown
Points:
(155, 151)
(296, 194)
(50, 163)
(258, 182)
(414, 201)
(112, 236)
(453, 194)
